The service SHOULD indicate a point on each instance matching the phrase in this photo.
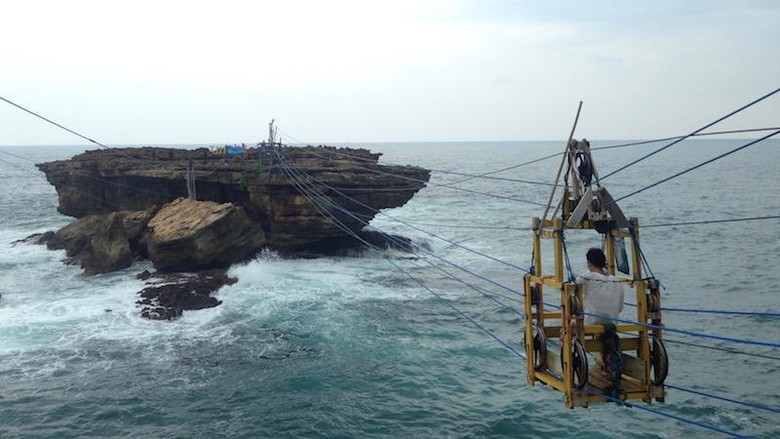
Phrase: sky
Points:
(168, 72)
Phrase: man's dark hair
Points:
(597, 257)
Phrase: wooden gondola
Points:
(549, 318)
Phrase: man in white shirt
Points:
(603, 293)
(603, 296)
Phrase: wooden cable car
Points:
(644, 359)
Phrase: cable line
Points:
(682, 331)
(715, 348)
(732, 339)
(297, 182)
(486, 279)
(414, 227)
(461, 226)
(621, 145)
(446, 302)
(509, 264)
(643, 226)
(668, 415)
(480, 290)
(691, 134)
(504, 197)
(774, 133)
(444, 171)
(464, 315)
(54, 123)
(390, 237)
(712, 133)
(732, 220)
(735, 401)
(717, 311)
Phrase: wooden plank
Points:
(552, 331)
(551, 381)
(634, 367)
(599, 382)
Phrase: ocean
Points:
(359, 347)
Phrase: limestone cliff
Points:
(265, 185)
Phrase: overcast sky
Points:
(159, 72)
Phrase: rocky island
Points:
(196, 212)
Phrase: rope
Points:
(505, 344)
(480, 290)
(713, 133)
(714, 348)
(717, 221)
(622, 145)
(774, 133)
(735, 401)
(54, 123)
(509, 264)
(446, 302)
(503, 197)
(464, 315)
(645, 263)
(62, 127)
(668, 415)
(460, 226)
(644, 226)
(684, 331)
(410, 225)
(567, 261)
(448, 172)
(431, 253)
(691, 134)
(717, 311)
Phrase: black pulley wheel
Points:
(579, 363)
(539, 346)
(659, 361)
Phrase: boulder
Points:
(187, 235)
(97, 242)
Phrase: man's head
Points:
(597, 258)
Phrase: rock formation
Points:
(266, 184)
(138, 203)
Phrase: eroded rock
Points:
(97, 242)
(188, 235)
(170, 294)
(136, 179)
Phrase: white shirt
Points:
(603, 295)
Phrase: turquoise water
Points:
(352, 347)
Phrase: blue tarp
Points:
(234, 150)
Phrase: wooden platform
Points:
(600, 383)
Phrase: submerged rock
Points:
(171, 294)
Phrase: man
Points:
(603, 294)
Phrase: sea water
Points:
(376, 345)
